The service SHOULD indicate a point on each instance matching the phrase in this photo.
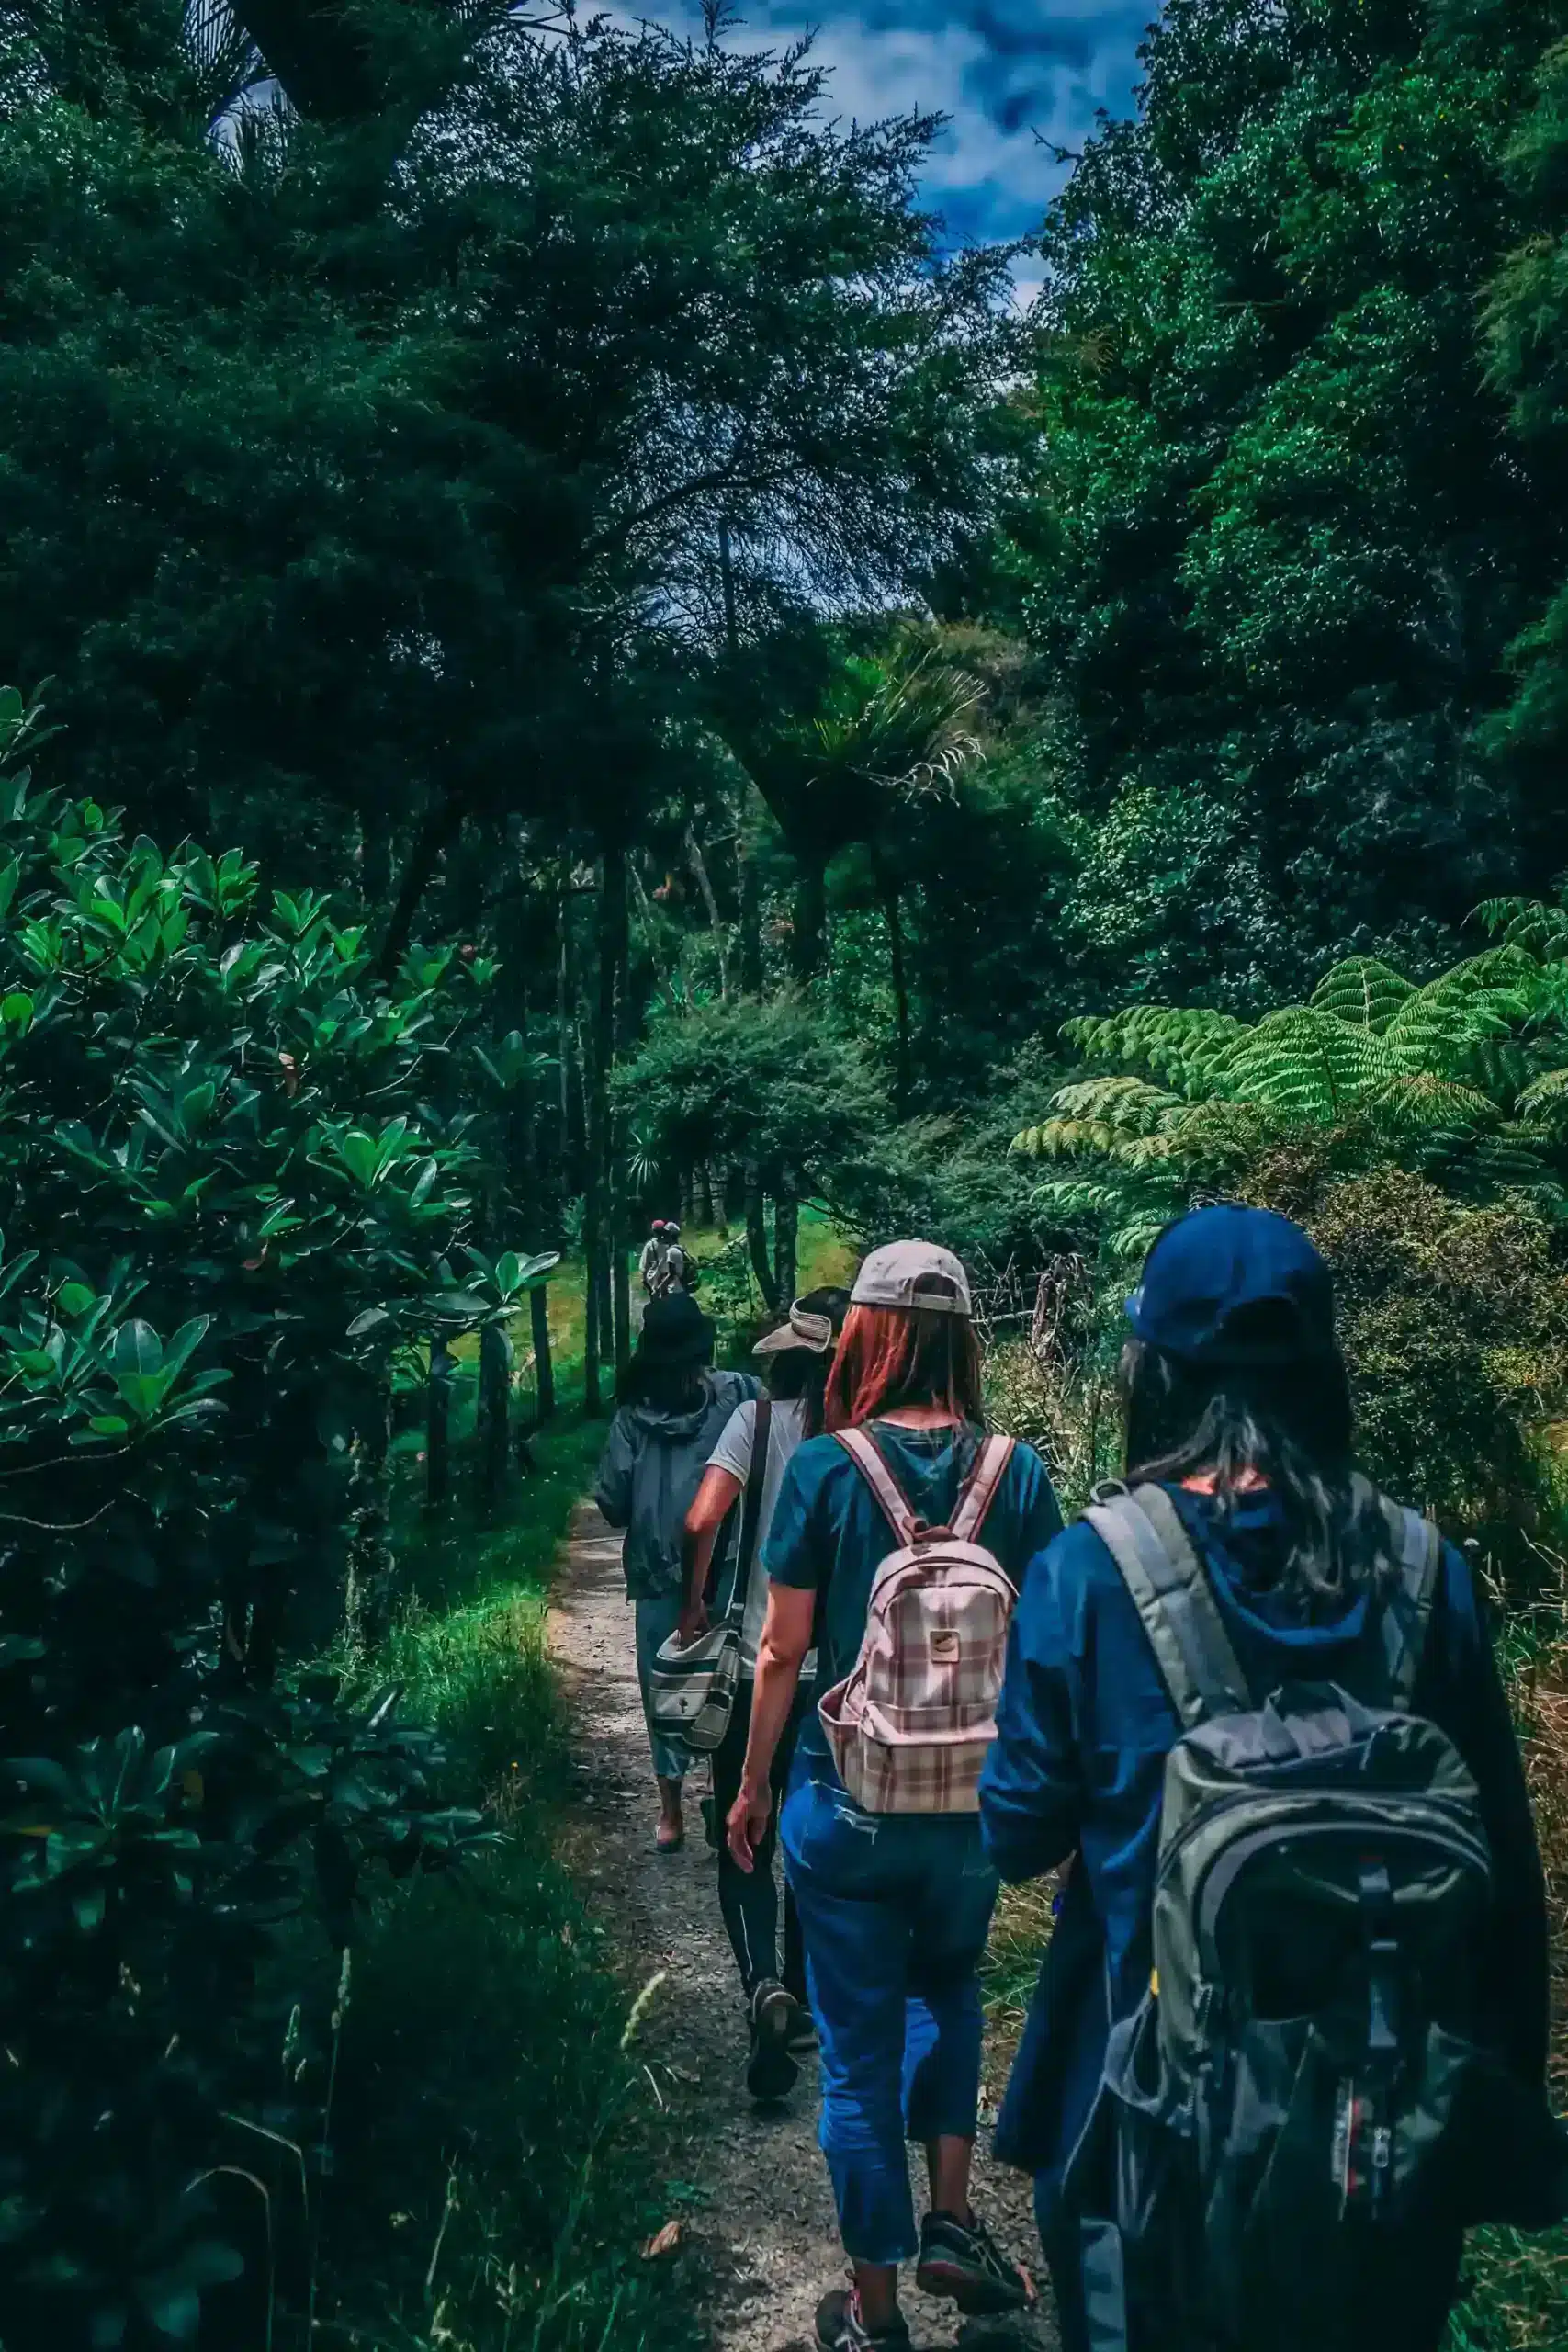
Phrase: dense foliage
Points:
(219, 1192)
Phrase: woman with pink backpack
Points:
(894, 1550)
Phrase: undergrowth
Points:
(496, 2172)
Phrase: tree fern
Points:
(1464, 1077)
(1362, 991)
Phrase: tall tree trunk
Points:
(614, 1024)
(786, 1248)
(438, 1425)
(563, 1015)
(368, 1598)
(438, 829)
(698, 864)
(756, 1242)
(893, 913)
(544, 1367)
(810, 920)
(494, 1414)
(746, 850)
(701, 1194)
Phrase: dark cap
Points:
(1233, 1286)
(675, 1331)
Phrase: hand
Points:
(693, 1623)
(747, 1823)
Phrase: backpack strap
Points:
(1170, 1590)
(1417, 1549)
(867, 1457)
(980, 1488)
(751, 1518)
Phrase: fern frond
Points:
(1362, 991)
(1423, 1103)
(1181, 1045)
(1541, 930)
(1307, 1065)
(1129, 1105)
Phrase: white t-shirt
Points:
(733, 1453)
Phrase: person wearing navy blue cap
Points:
(1237, 1401)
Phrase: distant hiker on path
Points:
(673, 1409)
(895, 1899)
(1291, 2025)
(652, 1264)
(799, 1357)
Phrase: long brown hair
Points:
(893, 1356)
(798, 1372)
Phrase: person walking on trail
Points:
(799, 1357)
(679, 1271)
(673, 1409)
(895, 1902)
(1291, 2023)
(652, 1264)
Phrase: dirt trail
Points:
(767, 2215)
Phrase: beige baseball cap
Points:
(906, 1273)
(814, 1332)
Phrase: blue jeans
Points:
(656, 1620)
(895, 1909)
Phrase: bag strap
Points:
(868, 1458)
(1407, 1613)
(751, 1516)
(1170, 1590)
(980, 1488)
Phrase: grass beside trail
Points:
(497, 2169)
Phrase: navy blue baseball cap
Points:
(1233, 1286)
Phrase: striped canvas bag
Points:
(909, 1726)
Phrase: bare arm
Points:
(711, 1506)
(786, 1637)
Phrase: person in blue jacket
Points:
(1238, 1402)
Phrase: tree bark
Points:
(810, 921)
(495, 1398)
(544, 1367)
(699, 868)
(367, 1596)
(438, 829)
(757, 1241)
(618, 944)
(786, 1249)
(438, 1425)
(746, 846)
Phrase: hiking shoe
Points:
(961, 2262)
(770, 2070)
(803, 2034)
(840, 2327)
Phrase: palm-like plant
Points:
(1465, 1079)
(887, 729)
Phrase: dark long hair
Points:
(799, 1372)
(667, 1388)
(1291, 1424)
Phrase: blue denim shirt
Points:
(1077, 1770)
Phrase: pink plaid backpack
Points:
(910, 1724)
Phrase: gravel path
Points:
(757, 2186)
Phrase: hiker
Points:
(652, 1264)
(1304, 2006)
(672, 1408)
(895, 1902)
(678, 1267)
(799, 1357)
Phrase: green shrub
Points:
(220, 1201)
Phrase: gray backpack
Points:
(1304, 2083)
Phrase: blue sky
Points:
(1001, 70)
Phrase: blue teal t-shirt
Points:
(828, 1534)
